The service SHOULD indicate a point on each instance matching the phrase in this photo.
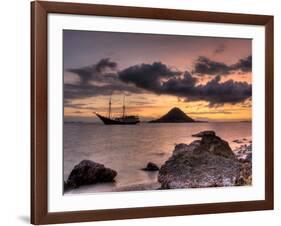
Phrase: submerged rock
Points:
(89, 172)
(151, 167)
(208, 162)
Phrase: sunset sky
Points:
(208, 78)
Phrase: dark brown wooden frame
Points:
(39, 107)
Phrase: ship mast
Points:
(109, 108)
(123, 115)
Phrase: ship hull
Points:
(108, 121)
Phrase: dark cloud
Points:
(205, 66)
(79, 106)
(159, 79)
(147, 76)
(84, 73)
(98, 79)
(180, 85)
(105, 63)
(96, 72)
(244, 65)
(72, 105)
(185, 86)
(78, 91)
(219, 93)
(220, 49)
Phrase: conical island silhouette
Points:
(175, 115)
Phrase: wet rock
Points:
(245, 177)
(244, 155)
(65, 186)
(214, 144)
(89, 172)
(248, 157)
(208, 162)
(151, 167)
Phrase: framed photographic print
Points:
(145, 112)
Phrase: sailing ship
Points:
(123, 120)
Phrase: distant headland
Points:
(175, 115)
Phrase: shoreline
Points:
(240, 153)
(95, 188)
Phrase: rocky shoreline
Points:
(89, 172)
(206, 162)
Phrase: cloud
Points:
(78, 91)
(219, 93)
(97, 79)
(214, 92)
(96, 72)
(220, 49)
(79, 106)
(159, 79)
(147, 76)
(244, 65)
(180, 85)
(105, 63)
(205, 66)
(78, 112)
(210, 112)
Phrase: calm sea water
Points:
(128, 148)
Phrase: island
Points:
(175, 115)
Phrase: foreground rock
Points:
(214, 144)
(151, 167)
(244, 153)
(89, 172)
(244, 156)
(208, 162)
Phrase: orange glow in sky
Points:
(215, 87)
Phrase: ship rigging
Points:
(123, 120)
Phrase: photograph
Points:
(146, 112)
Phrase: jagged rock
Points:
(214, 144)
(151, 167)
(65, 186)
(244, 155)
(248, 157)
(245, 177)
(89, 172)
(208, 162)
